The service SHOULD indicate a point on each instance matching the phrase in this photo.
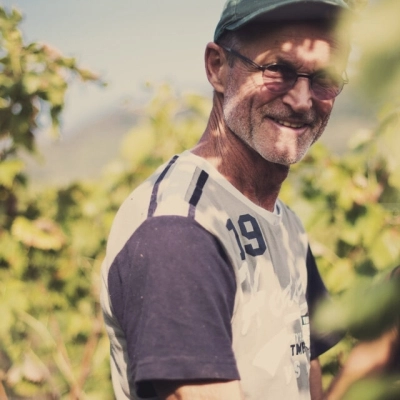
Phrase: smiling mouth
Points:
(289, 124)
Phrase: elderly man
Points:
(209, 282)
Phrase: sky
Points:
(128, 42)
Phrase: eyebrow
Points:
(283, 61)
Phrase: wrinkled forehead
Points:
(300, 38)
(328, 28)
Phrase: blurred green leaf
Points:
(366, 311)
(9, 169)
(374, 389)
(41, 233)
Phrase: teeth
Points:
(288, 124)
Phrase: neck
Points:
(258, 179)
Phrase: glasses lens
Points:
(279, 78)
(326, 86)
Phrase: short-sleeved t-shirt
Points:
(200, 283)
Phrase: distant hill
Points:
(83, 153)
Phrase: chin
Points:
(288, 162)
(283, 152)
(286, 159)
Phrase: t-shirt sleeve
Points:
(316, 293)
(172, 290)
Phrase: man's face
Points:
(281, 127)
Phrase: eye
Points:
(327, 79)
(274, 68)
(279, 71)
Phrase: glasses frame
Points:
(310, 77)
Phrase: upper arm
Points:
(172, 290)
(222, 390)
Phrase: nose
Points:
(299, 97)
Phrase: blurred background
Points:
(131, 44)
(94, 96)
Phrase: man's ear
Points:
(216, 65)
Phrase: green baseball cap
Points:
(237, 13)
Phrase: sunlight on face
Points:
(282, 127)
(309, 49)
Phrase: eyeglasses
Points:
(280, 78)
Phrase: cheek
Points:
(238, 95)
(324, 107)
(243, 84)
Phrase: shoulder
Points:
(165, 192)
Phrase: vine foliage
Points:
(53, 240)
